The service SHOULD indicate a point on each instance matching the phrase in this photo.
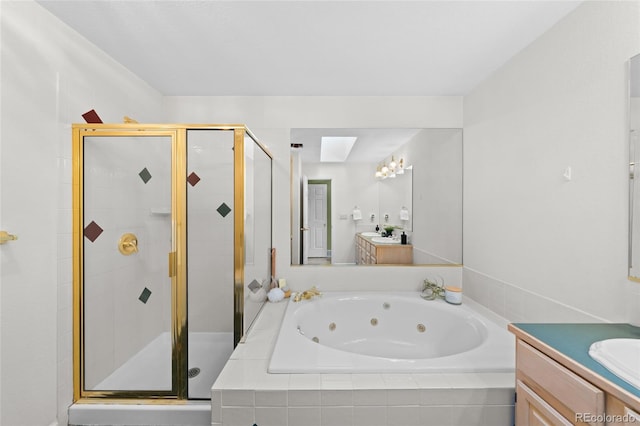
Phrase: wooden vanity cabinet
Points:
(370, 253)
(554, 390)
(618, 410)
(550, 394)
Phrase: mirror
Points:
(634, 162)
(333, 201)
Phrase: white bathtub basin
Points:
(376, 332)
(620, 356)
(385, 240)
(370, 234)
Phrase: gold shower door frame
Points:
(177, 263)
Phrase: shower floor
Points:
(150, 369)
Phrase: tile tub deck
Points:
(245, 394)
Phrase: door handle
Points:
(304, 229)
(172, 264)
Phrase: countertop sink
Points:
(385, 240)
(370, 234)
(620, 356)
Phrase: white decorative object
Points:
(275, 295)
(453, 295)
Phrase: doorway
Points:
(318, 202)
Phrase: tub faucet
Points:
(307, 294)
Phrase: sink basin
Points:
(370, 234)
(385, 240)
(620, 356)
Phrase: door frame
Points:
(176, 262)
(326, 182)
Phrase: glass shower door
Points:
(210, 251)
(126, 288)
(171, 242)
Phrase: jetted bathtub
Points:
(348, 332)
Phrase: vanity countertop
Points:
(569, 345)
(370, 240)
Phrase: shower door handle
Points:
(172, 264)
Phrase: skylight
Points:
(336, 148)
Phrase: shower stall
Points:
(171, 224)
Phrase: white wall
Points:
(538, 247)
(436, 157)
(396, 194)
(49, 77)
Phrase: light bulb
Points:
(392, 164)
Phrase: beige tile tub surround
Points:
(245, 393)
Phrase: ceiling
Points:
(311, 48)
(372, 145)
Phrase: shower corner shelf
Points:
(161, 211)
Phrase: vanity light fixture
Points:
(390, 171)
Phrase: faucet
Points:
(307, 294)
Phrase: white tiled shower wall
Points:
(116, 198)
(210, 241)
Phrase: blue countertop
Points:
(574, 340)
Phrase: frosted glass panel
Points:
(634, 160)
(127, 296)
(210, 253)
(257, 226)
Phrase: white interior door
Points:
(317, 220)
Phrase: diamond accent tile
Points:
(92, 231)
(193, 179)
(144, 296)
(145, 175)
(91, 117)
(223, 210)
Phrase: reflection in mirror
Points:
(334, 202)
(634, 160)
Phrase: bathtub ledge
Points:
(246, 393)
